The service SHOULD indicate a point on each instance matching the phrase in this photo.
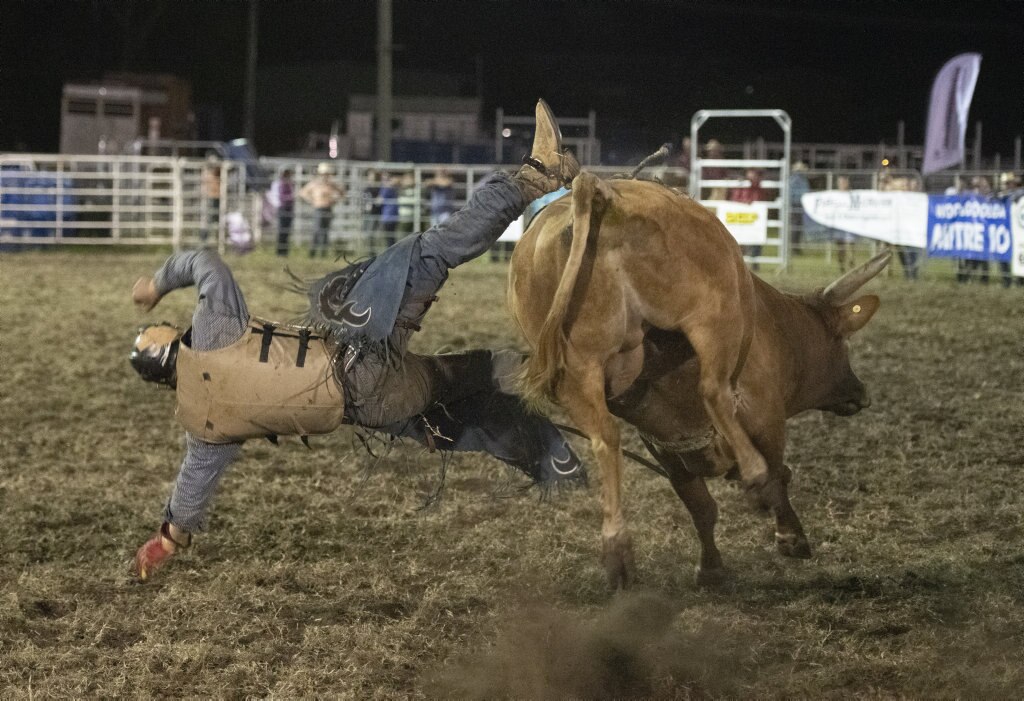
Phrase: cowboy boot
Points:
(548, 167)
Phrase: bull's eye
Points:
(856, 309)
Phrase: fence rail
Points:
(49, 199)
(52, 199)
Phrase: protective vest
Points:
(274, 380)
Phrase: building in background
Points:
(424, 129)
(304, 110)
(106, 117)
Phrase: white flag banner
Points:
(899, 218)
(947, 112)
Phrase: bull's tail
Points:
(543, 370)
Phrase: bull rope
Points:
(628, 453)
(656, 157)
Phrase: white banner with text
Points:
(899, 218)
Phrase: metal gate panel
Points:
(780, 167)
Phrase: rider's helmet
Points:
(155, 353)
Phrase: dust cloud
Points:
(640, 646)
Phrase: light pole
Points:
(384, 102)
(249, 128)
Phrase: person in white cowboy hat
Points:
(237, 377)
(1010, 185)
(322, 193)
(713, 150)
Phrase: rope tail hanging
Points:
(628, 453)
(656, 157)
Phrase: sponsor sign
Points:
(898, 218)
(969, 226)
(748, 223)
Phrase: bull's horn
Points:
(843, 288)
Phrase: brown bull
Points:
(636, 302)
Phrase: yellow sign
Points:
(740, 217)
(748, 223)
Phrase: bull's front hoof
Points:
(712, 576)
(793, 545)
(619, 564)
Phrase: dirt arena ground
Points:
(321, 575)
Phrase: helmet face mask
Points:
(154, 353)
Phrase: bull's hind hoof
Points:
(619, 564)
(792, 545)
(712, 576)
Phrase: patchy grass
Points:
(321, 576)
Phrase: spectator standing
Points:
(1010, 189)
(976, 270)
(407, 202)
(798, 187)
(683, 161)
(388, 198)
(753, 192)
(959, 264)
(980, 185)
(1010, 186)
(371, 203)
(907, 254)
(210, 186)
(713, 149)
(956, 188)
(442, 196)
(322, 193)
(843, 240)
(282, 197)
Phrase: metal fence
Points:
(385, 201)
(123, 200)
(48, 199)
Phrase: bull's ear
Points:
(854, 315)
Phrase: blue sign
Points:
(969, 226)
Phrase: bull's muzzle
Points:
(851, 406)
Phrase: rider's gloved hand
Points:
(144, 293)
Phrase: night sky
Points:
(844, 71)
